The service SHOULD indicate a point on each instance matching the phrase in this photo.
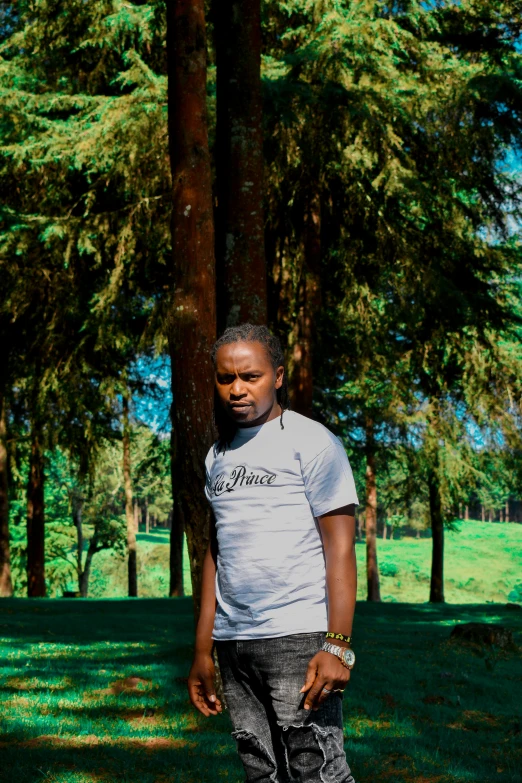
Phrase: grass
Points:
(483, 563)
(94, 690)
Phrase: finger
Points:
(213, 707)
(198, 697)
(314, 693)
(322, 695)
(208, 685)
(311, 673)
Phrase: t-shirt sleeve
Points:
(328, 480)
(208, 467)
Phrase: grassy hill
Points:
(96, 691)
(483, 563)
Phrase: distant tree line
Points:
(345, 172)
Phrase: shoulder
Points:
(310, 437)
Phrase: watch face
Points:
(349, 656)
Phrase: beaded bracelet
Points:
(331, 635)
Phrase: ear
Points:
(280, 374)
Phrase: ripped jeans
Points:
(277, 740)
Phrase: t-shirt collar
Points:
(244, 433)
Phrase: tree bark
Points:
(240, 243)
(192, 314)
(132, 554)
(136, 517)
(507, 511)
(309, 305)
(6, 583)
(36, 587)
(372, 570)
(437, 531)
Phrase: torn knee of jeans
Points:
(254, 754)
(334, 766)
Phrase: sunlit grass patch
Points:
(37, 683)
(472, 575)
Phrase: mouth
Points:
(239, 405)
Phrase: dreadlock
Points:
(247, 333)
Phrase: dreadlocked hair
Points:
(247, 333)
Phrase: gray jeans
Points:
(277, 740)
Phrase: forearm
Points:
(341, 586)
(204, 642)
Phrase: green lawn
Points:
(483, 563)
(94, 690)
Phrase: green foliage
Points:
(398, 120)
(100, 502)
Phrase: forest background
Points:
(347, 172)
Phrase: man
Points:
(279, 573)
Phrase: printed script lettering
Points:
(241, 476)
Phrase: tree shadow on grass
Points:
(147, 761)
(416, 709)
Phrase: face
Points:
(246, 383)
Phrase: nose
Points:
(236, 390)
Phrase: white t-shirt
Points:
(266, 491)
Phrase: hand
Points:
(324, 671)
(201, 688)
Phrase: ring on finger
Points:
(338, 690)
(327, 690)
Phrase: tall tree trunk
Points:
(507, 511)
(309, 305)
(176, 542)
(36, 517)
(240, 250)
(372, 570)
(6, 584)
(84, 576)
(136, 517)
(132, 553)
(77, 510)
(192, 317)
(437, 534)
